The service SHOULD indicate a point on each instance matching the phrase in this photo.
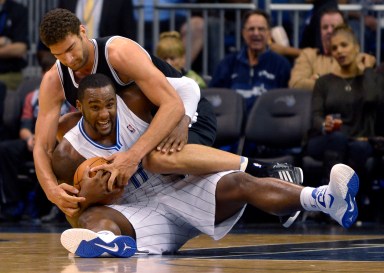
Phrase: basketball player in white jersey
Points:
(125, 62)
(158, 214)
(67, 40)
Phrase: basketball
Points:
(91, 162)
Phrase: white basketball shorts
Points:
(167, 211)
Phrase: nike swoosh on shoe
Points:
(115, 248)
(121, 246)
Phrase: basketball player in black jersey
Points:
(66, 38)
(150, 203)
(125, 62)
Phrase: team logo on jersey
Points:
(131, 129)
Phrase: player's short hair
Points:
(93, 81)
(57, 24)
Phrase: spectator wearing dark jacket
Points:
(255, 69)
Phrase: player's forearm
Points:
(44, 172)
(165, 120)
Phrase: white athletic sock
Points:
(243, 163)
(307, 200)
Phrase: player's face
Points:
(72, 51)
(99, 111)
(344, 49)
(256, 33)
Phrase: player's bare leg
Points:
(271, 195)
(279, 197)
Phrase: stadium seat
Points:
(229, 109)
(277, 125)
(12, 114)
(14, 106)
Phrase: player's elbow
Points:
(179, 109)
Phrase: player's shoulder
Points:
(52, 75)
(117, 42)
(51, 87)
(118, 45)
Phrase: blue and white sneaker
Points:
(88, 244)
(338, 198)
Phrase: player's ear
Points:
(82, 29)
(78, 105)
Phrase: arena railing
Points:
(36, 10)
(297, 9)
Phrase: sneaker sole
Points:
(347, 184)
(288, 222)
(87, 244)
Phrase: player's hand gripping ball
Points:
(91, 162)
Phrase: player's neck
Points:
(106, 141)
(88, 66)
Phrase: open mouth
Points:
(104, 124)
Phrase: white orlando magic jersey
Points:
(164, 210)
(129, 128)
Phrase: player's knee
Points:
(236, 185)
(147, 163)
(88, 218)
(157, 162)
(244, 182)
(96, 220)
(150, 162)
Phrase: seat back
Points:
(3, 92)
(27, 85)
(13, 105)
(11, 116)
(279, 119)
(229, 109)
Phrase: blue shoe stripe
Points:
(351, 213)
(122, 246)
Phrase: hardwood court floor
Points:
(260, 248)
